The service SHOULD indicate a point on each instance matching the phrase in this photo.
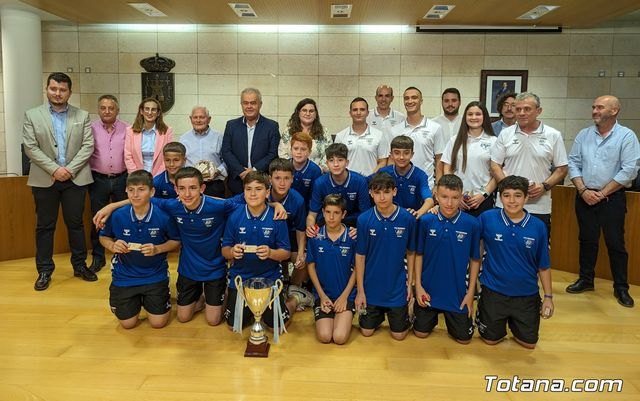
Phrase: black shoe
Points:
(97, 264)
(42, 283)
(623, 298)
(85, 274)
(579, 286)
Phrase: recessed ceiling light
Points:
(537, 12)
(147, 9)
(243, 10)
(438, 12)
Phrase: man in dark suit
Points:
(58, 141)
(250, 142)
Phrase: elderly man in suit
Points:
(57, 138)
(250, 142)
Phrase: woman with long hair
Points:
(468, 155)
(146, 138)
(305, 118)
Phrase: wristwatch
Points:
(546, 186)
(485, 194)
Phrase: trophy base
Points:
(257, 350)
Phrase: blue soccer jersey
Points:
(384, 242)
(354, 191)
(303, 180)
(133, 268)
(164, 187)
(446, 246)
(413, 187)
(293, 204)
(334, 261)
(515, 253)
(244, 228)
(201, 233)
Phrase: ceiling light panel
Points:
(438, 12)
(147, 9)
(537, 12)
(243, 10)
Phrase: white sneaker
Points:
(302, 296)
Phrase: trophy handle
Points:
(277, 292)
(238, 281)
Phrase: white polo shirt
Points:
(530, 156)
(478, 171)
(385, 124)
(449, 128)
(428, 142)
(364, 149)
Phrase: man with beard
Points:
(450, 119)
(507, 108)
(603, 161)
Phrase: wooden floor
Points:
(64, 344)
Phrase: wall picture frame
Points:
(495, 83)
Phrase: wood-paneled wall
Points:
(564, 235)
(18, 221)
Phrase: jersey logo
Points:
(351, 195)
(349, 142)
(528, 242)
(320, 249)
(412, 189)
(306, 182)
(344, 250)
(372, 232)
(485, 145)
(208, 222)
(515, 141)
(432, 232)
(461, 235)
(498, 237)
(399, 231)
(242, 230)
(153, 232)
(374, 123)
(179, 220)
(266, 231)
(165, 192)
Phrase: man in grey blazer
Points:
(57, 138)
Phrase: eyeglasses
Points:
(509, 105)
(150, 110)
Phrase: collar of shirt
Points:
(199, 208)
(146, 218)
(538, 130)
(391, 114)
(322, 234)
(366, 132)
(408, 175)
(151, 130)
(66, 109)
(453, 219)
(507, 221)
(346, 183)
(244, 121)
(390, 218)
(282, 202)
(262, 216)
(203, 133)
(422, 124)
(304, 168)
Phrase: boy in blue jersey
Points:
(305, 170)
(256, 244)
(175, 157)
(447, 243)
(330, 259)
(339, 180)
(385, 239)
(412, 182)
(517, 254)
(140, 235)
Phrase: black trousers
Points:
(608, 216)
(486, 204)
(102, 191)
(48, 201)
(214, 188)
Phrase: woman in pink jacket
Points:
(146, 138)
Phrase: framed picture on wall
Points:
(495, 83)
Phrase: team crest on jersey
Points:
(208, 222)
(461, 235)
(242, 230)
(432, 232)
(153, 232)
(344, 250)
(266, 231)
(369, 141)
(126, 232)
(542, 140)
(372, 232)
(320, 249)
(399, 231)
(498, 237)
(485, 145)
(528, 242)
(306, 182)
(412, 189)
(351, 196)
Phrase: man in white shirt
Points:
(203, 151)
(450, 119)
(426, 134)
(368, 146)
(532, 150)
(383, 117)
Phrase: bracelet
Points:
(548, 296)
(581, 191)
